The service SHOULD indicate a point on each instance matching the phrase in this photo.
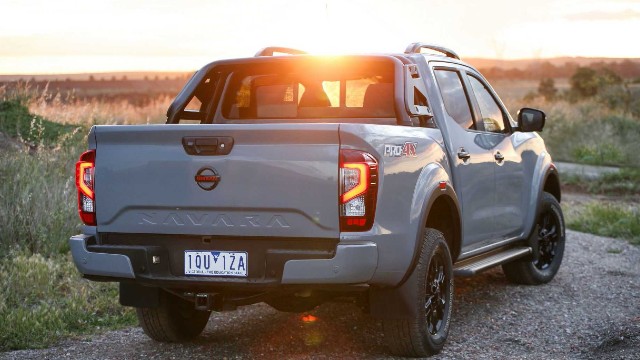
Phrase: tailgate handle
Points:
(207, 145)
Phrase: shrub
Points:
(584, 82)
(547, 88)
(583, 133)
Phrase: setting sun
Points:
(115, 35)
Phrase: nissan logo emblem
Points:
(207, 178)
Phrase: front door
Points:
(472, 161)
(508, 164)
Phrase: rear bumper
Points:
(352, 263)
(99, 264)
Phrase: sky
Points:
(68, 36)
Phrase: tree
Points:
(584, 82)
(547, 88)
(609, 77)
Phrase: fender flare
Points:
(550, 173)
(403, 295)
(437, 193)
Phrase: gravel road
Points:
(591, 310)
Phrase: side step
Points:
(476, 264)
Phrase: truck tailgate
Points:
(278, 180)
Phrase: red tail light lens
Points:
(85, 181)
(358, 190)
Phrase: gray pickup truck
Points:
(294, 180)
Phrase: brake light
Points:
(85, 181)
(358, 190)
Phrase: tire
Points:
(551, 242)
(174, 320)
(426, 334)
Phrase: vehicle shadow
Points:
(332, 330)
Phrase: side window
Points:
(453, 95)
(492, 116)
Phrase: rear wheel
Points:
(426, 333)
(174, 320)
(551, 241)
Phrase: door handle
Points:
(498, 156)
(463, 154)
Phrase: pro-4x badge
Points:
(408, 149)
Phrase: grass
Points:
(608, 220)
(591, 139)
(43, 299)
(42, 296)
(17, 122)
(94, 111)
(37, 189)
(624, 182)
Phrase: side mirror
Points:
(531, 119)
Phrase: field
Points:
(43, 130)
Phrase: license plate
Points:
(215, 263)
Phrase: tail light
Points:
(358, 190)
(85, 181)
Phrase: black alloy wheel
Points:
(550, 236)
(548, 239)
(436, 299)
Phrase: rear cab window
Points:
(363, 89)
(299, 92)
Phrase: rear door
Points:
(243, 180)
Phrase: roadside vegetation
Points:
(606, 206)
(593, 118)
(624, 182)
(42, 296)
(607, 219)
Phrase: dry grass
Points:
(67, 108)
(94, 111)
